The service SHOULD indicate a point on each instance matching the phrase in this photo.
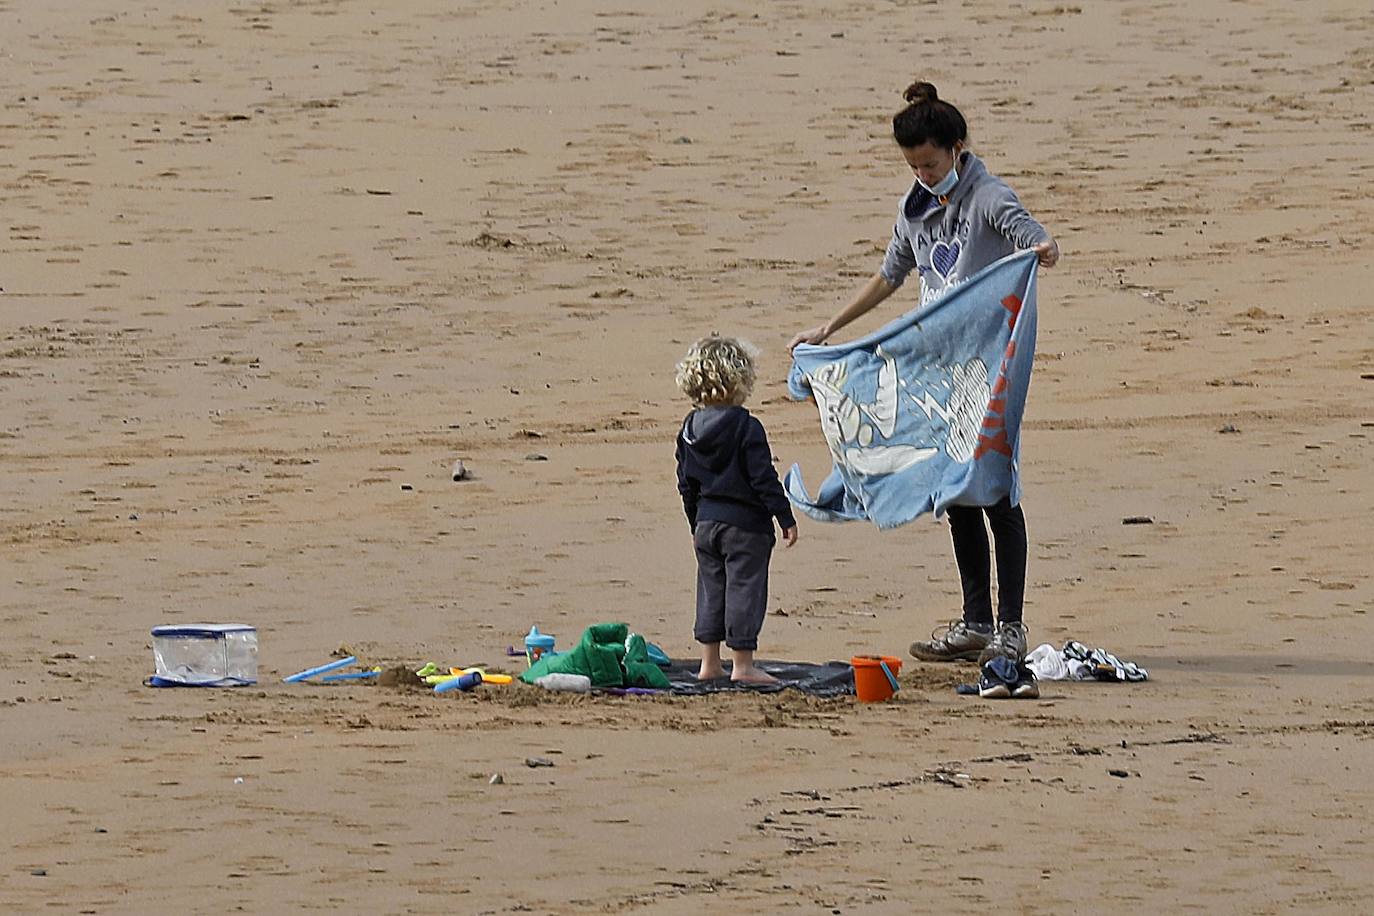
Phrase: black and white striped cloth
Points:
(1104, 665)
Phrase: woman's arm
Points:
(873, 292)
(1010, 218)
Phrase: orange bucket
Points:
(875, 677)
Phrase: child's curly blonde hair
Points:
(718, 370)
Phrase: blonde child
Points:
(731, 495)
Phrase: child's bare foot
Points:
(711, 667)
(749, 674)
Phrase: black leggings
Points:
(971, 553)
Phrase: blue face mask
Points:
(942, 187)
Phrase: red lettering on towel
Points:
(994, 443)
(1012, 304)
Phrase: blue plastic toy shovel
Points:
(322, 669)
(350, 676)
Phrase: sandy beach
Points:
(267, 270)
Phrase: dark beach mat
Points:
(832, 679)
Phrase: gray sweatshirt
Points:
(981, 222)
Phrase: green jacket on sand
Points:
(609, 654)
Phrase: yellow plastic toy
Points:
(430, 673)
(486, 678)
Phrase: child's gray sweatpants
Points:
(732, 583)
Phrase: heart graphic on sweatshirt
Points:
(944, 256)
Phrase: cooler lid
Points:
(210, 630)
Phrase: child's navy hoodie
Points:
(725, 471)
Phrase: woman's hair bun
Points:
(928, 119)
(921, 92)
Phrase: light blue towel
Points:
(926, 412)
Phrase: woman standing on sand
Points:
(957, 219)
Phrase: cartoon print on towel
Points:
(851, 439)
(963, 410)
(924, 413)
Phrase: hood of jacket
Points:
(920, 203)
(712, 434)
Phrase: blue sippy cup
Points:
(537, 645)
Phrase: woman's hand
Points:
(1048, 252)
(816, 335)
